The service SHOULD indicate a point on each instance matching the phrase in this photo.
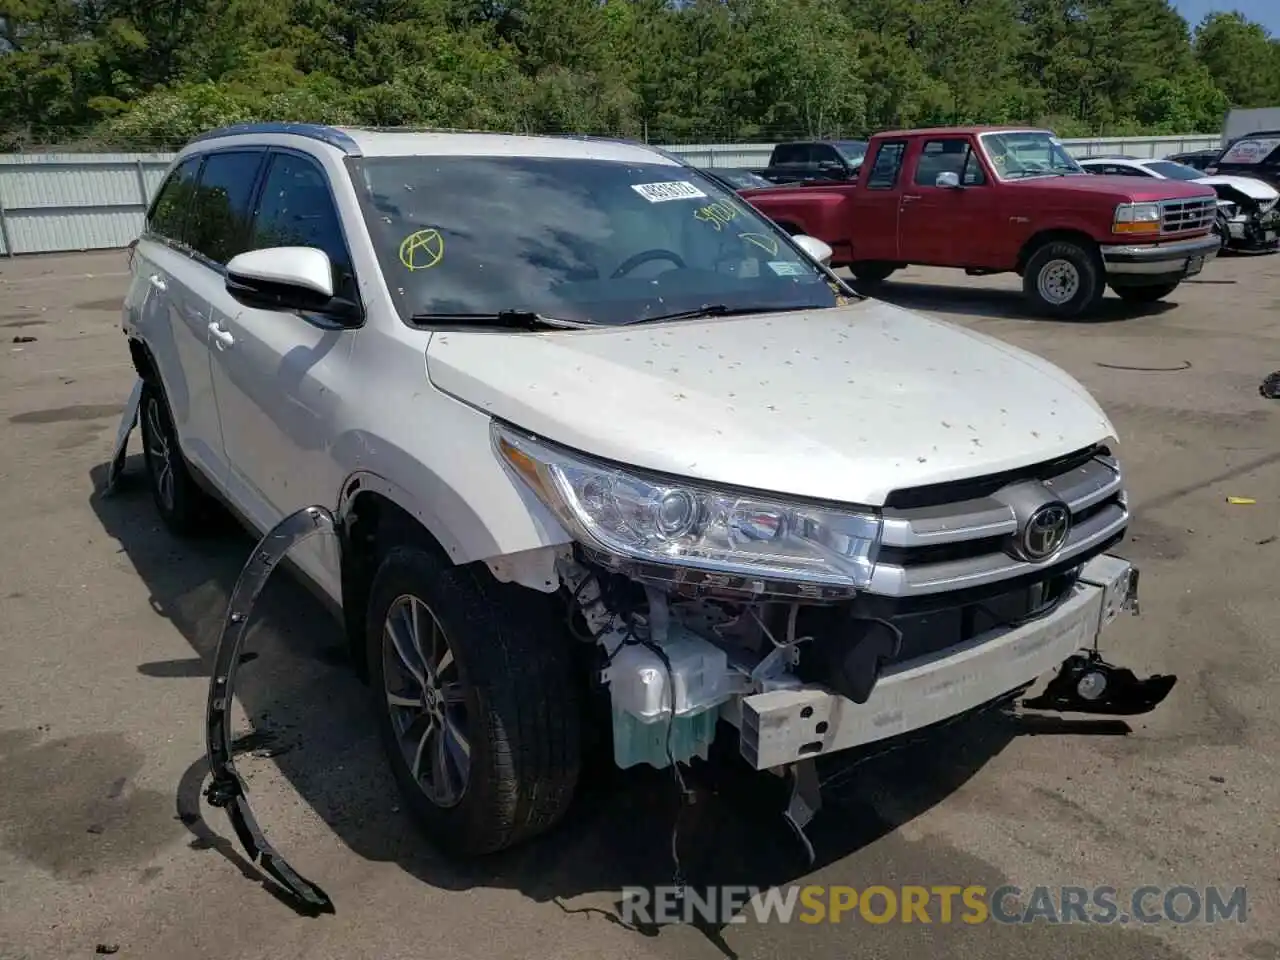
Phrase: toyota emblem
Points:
(1046, 531)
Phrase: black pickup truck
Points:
(815, 160)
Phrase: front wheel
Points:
(1222, 231)
(475, 702)
(872, 271)
(1063, 280)
(1149, 293)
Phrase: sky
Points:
(1265, 12)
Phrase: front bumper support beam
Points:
(226, 788)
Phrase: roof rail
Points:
(312, 131)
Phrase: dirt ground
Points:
(107, 626)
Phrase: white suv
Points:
(610, 454)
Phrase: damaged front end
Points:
(949, 598)
(1248, 223)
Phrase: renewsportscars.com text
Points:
(939, 904)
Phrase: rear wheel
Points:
(184, 507)
(872, 271)
(1149, 293)
(475, 702)
(1063, 279)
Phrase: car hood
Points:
(844, 404)
(1119, 189)
(1250, 187)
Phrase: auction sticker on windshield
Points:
(670, 190)
(785, 269)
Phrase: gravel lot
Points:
(107, 627)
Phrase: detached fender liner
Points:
(226, 788)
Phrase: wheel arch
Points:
(1052, 235)
(376, 514)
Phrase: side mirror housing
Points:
(948, 180)
(815, 248)
(288, 278)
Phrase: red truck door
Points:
(946, 225)
(875, 233)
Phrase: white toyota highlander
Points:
(611, 457)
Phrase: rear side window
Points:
(174, 198)
(791, 153)
(219, 227)
(1251, 151)
(296, 209)
(884, 171)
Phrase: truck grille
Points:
(933, 545)
(1180, 216)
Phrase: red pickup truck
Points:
(1001, 199)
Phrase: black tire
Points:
(185, 508)
(1148, 293)
(1222, 231)
(872, 271)
(1070, 268)
(511, 694)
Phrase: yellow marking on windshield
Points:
(765, 242)
(422, 249)
(717, 214)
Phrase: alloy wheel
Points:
(1058, 282)
(160, 455)
(426, 700)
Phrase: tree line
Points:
(152, 73)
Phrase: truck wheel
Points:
(1063, 280)
(1148, 293)
(475, 702)
(872, 271)
(185, 509)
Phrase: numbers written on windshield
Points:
(718, 214)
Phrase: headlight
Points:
(680, 523)
(1137, 218)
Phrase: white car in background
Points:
(1248, 218)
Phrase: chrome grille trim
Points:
(1094, 491)
(1181, 216)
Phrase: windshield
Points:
(592, 241)
(852, 150)
(1019, 154)
(1174, 171)
(743, 178)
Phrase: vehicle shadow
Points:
(312, 720)
(1002, 304)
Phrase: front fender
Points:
(447, 477)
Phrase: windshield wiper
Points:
(513, 319)
(718, 310)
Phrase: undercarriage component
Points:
(1086, 683)
(128, 420)
(805, 802)
(226, 788)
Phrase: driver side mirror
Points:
(948, 180)
(288, 278)
(815, 248)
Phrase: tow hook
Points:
(1085, 683)
(226, 788)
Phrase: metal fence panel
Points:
(53, 202)
(56, 202)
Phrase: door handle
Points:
(158, 282)
(223, 338)
(908, 197)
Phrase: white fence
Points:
(55, 202)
